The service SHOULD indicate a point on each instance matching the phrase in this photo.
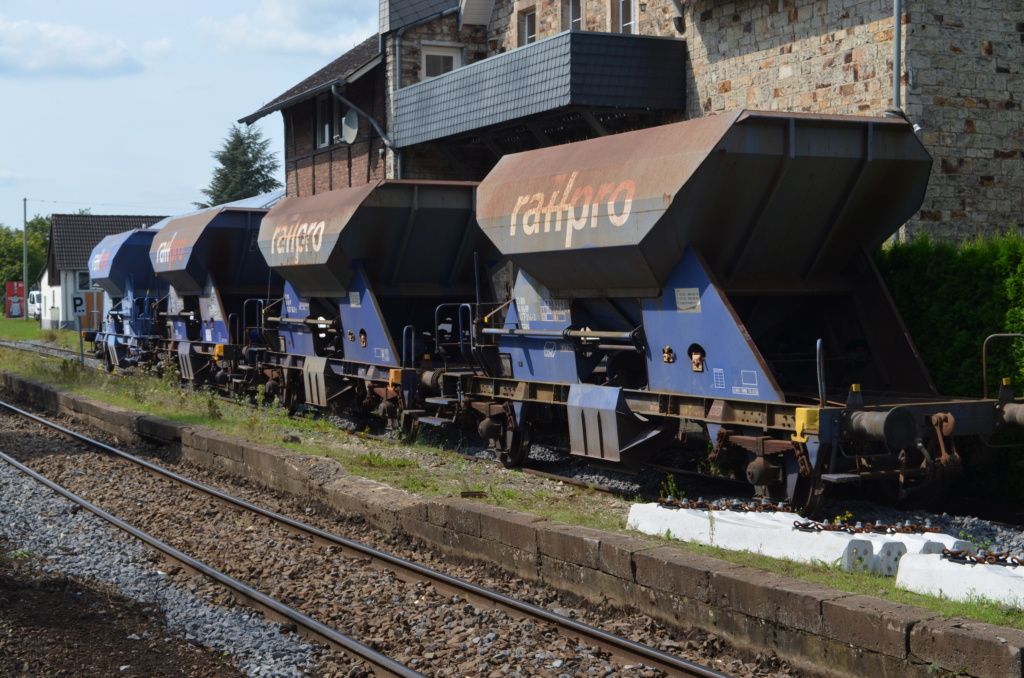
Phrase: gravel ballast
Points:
(260, 460)
(76, 543)
(439, 635)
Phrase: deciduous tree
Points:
(11, 249)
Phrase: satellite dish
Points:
(350, 126)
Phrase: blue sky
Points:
(117, 106)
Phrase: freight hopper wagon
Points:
(717, 272)
(134, 299)
(376, 308)
(219, 288)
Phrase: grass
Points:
(18, 329)
(433, 472)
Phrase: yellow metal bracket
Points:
(807, 419)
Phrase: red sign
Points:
(16, 300)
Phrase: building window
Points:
(527, 27)
(324, 111)
(439, 60)
(572, 15)
(622, 12)
(83, 282)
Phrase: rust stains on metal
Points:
(758, 194)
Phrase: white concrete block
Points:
(774, 535)
(931, 574)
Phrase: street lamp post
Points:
(24, 253)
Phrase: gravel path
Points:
(66, 541)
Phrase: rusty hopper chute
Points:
(218, 240)
(122, 259)
(412, 237)
(759, 195)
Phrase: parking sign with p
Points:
(78, 304)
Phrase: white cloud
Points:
(324, 27)
(9, 178)
(32, 48)
(154, 50)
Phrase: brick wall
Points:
(310, 170)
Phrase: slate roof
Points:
(578, 68)
(339, 69)
(73, 236)
(395, 14)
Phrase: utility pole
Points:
(24, 253)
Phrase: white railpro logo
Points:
(296, 238)
(617, 196)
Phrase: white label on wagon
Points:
(688, 299)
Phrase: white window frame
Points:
(442, 51)
(527, 18)
(78, 281)
(621, 26)
(324, 113)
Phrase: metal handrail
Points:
(259, 314)
(233, 317)
(406, 332)
(984, 358)
(437, 323)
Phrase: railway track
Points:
(594, 484)
(612, 648)
(51, 351)
(611, 483)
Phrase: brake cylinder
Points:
(897, 427)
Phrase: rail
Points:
(309, 627)
(621, 648)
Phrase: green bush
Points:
(951, 298)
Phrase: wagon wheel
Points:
(807, 498)
(292, 398)
(517, 447)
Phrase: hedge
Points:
(951, 298)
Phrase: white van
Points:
(35, 305)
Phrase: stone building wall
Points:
(965, 86)
(553, 18)
(822, 56)
(471, 41)
(961, 78)
(961, 81)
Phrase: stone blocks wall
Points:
(821, 56)
(964, 83)
(961, 80)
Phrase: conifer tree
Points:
(246, 168)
